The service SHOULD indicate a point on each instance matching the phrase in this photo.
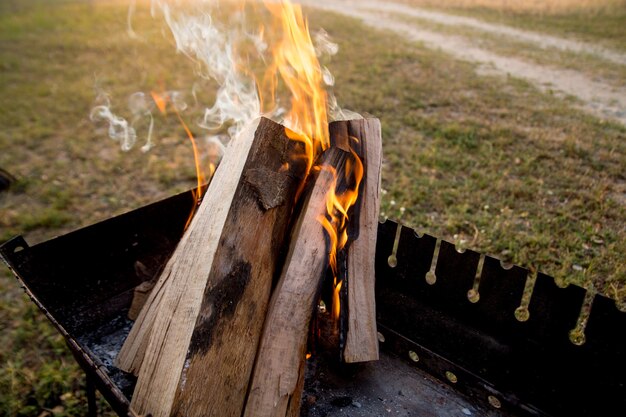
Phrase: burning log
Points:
(279, 363)
(203, 344)
(362, 338)
(204, 317)
(276, 384)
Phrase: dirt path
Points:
(594, 96)
(539, 39)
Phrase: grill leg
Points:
(92, 406)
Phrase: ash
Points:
(387, 387)
(104, 343)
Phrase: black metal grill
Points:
(497, 365)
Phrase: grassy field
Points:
(489, 163)
(600, 21)
(537, 7)
(585, 63)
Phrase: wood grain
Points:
(279, 363)
(214, 291)
(362, 338)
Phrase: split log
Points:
(280, 361)
(140, 296)
(206, 312)
(130, 357)
(361, 343)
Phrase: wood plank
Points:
(214, 295)
(361, 338)
(279, 363)
(130, 356)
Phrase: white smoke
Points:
(141, 108)
(212, 45)
(324, 45)
(119, 129)
(215, 47)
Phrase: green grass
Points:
(69, 173)
(37, 371)
(603, 26)
(488, 163)
(586, 63)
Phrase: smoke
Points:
(119, 129)
(224, 50)
(212, 45)
(325, 48)
(141, 108)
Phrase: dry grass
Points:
(598, 21)
(595, 68)
(532, 6)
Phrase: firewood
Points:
(293, 408)
(130, 357)
(279, 363)
(140, 296)
(206, 311)
(361, 343)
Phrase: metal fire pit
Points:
(442, 355)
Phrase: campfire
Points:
(234, 303)
(276, 269)
(289, 206)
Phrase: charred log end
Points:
(269, 186)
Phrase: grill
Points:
(442, 354)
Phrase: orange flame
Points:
(294, 65)
(295, 61)
(335, 222)
(161, 102)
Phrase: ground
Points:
(477, 153)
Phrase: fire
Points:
(295, 62)
(285, 47)
(161, 102)
(336, 220)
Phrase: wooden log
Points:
(140, 296)
(361, 342)
(130, 356)
(293, 408)
(279, 363)
(211, 301)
